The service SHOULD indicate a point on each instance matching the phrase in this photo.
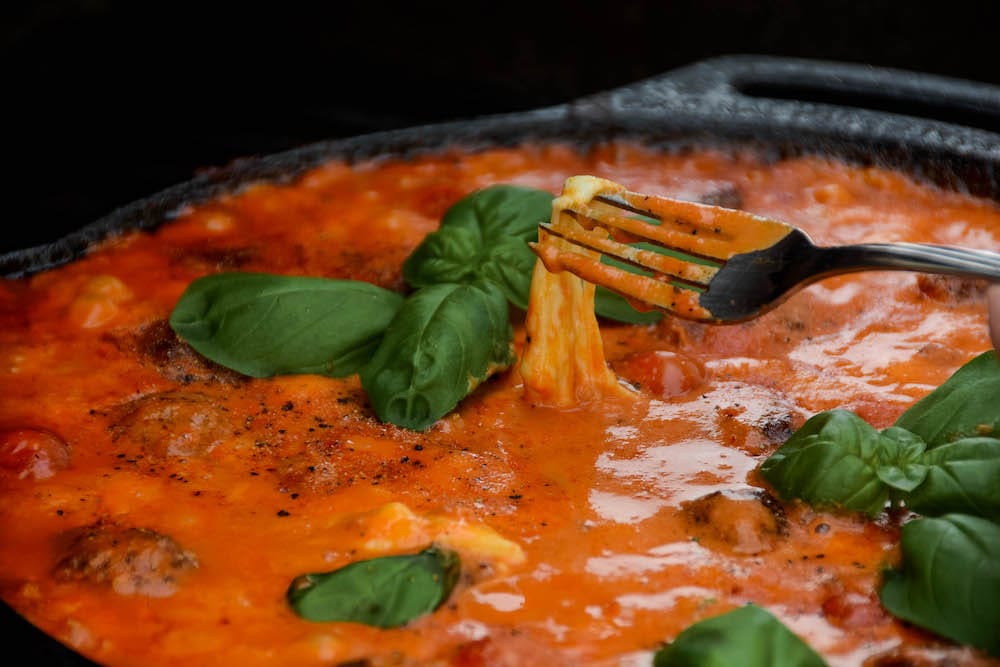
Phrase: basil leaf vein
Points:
(444, 341)
(949, 581)
(262, 324)
(749, 636)
(383, 592)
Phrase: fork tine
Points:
(709, 232)
(643, 290)
(696, 274)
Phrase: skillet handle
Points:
(793, 90)
(935, 128)
(862, 87)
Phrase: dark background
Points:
(108, 101)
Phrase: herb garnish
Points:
(484, 237)
(443, 342)
(938, 460)
(749, 636)
(384, 592)
(927, 461)
(949, 581)
(262, 325)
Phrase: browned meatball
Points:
(172, 424)
(156, 344)
(742, 522)
(951, 289)
(132, 561)
(32, 453)
(726, 195)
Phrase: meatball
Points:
(747, 521)
(172, 424)
(951, 289)
(132, 561)
(31, 453)
(725, 194)
(157, 345)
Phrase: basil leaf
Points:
(899, 453)
(442, 343)
(613, 306)
(967, 404)
(748, 636)
(949, 582)
(962, 476)
(262, 325)
(484, 235)
(616, 307)
(830, 460)
(384, 592)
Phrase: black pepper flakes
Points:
(287, 405)
(283, 513)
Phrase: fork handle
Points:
(910, 257)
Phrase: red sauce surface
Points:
(635, 518)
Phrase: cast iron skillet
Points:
(943, 130)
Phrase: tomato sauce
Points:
(154, 508)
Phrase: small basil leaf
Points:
(967, 404)
(262, 325)
(899, 455)
(748, 636)
(616, 307)
(949, 581)
(443, 342)
(384, 592)
(484, 235)
(613, 306)
(830, 460)
(963, 477)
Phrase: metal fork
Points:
(714, 264)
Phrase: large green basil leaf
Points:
(967, 404)
(384, 592)
(443, 342)
(831, 460)
(748, 637)
(261, 324)
(484, 235)
(949, 581)
(962, 477)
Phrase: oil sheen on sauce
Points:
(589, 535)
